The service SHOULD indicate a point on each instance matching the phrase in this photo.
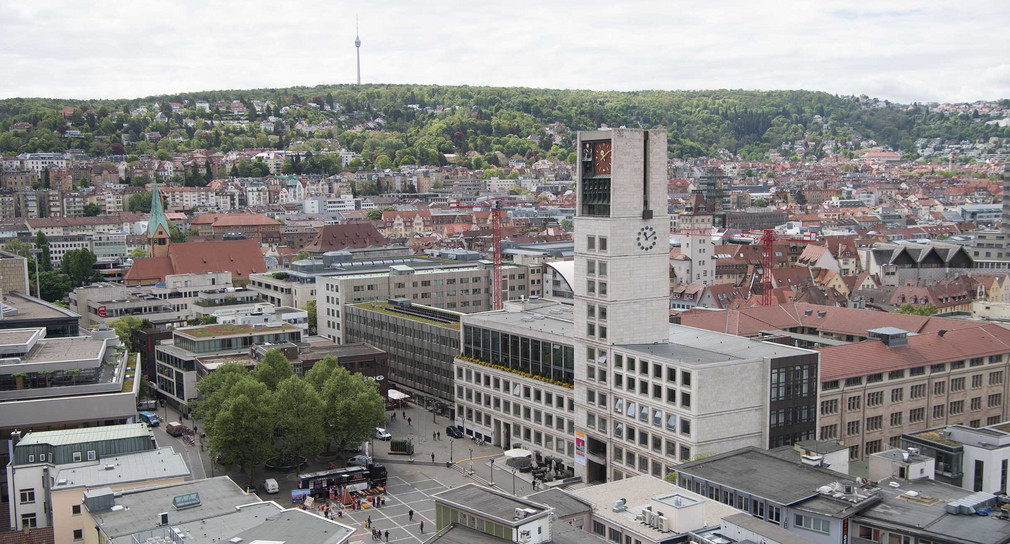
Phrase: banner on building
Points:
(580, 448)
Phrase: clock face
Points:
(647, 238)
(601, 157)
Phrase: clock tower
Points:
(622, 260)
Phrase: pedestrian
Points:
(404, 413)
(410, 515)
(369, 522)
(432, 457)
(387, 535)
(432, 435)
(439, 435)
(422, 527)
(409, 421)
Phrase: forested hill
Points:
(419, 124)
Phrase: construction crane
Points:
(497, 297)
(767, 238)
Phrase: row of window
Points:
(514, 388)
(911, 372)
(915, 415)
(918, 391)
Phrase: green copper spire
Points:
(157, 213)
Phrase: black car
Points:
(454, 432)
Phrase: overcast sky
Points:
(931, 50)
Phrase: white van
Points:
(270, 486)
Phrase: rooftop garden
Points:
(552, 381)
(384, 307)
(935, 436)
(227, 329)
(227, 301)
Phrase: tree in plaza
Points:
(320, 372)
(243, 429)
(214, 389)
(273, 369)
(299, 411)
(79, 265)
(53, 285)
(91, 209)
(352, 407)
(45, 259)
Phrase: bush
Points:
(402, 445)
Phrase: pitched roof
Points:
(347, 235)
(873, 356)
(240, 257)
(157, 213)
(233, 220)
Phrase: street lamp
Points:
(451, 440)
(492, 472)
(513, 481)
(471, 460)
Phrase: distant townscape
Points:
(447, 314)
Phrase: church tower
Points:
(158, 236)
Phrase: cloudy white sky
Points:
(931, 50)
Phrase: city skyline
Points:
(898, 51)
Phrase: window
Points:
(896, 419)
(917, 391)
(996, 378)
(77, 456)
(874, 423)
(897, 394)
(956, 407)
(939, 367)
(873, 446)
(27, 496)
(591, 244)
(685, 399)
(938, 411)
(996, 400)
(875, 399)
(976, 381)
(685, 378)
(29, 520)
(852, 428)
(829, 432)
(78, 534)
(603, 269)
(603, 243)
(75, 510)
(976, 404)
(855, 402)
(829, 407)
(957, 384)
(916, 415)
(896, 375)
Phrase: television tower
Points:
(357, 46)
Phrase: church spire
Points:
(158, 233)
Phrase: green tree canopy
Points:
(299, 410)
(353, 407)
(916, 309)
(53, 286)
(273, 369)
(243, 428)
(91, 209)
(79, 265)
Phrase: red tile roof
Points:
(870, 357)
(233, 220)
(240, 257)
(347, 235)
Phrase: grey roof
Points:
(926, 513)
(821, 446)
(762, 474)
(84, 435)
(490, 503)
(564, 504)
(461, 534)
(203, 531)
(543, 315)
(566, 533)
(218, 496)
(132, 467)
(690, 345)
(294, 525)
(764, 529)
(890, 331)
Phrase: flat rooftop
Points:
(134, 467)
(211, 331)
(33, 308)
(762, 474)
(54, 350)
(645, 490)
(489, 503)
(390, 309)
(563, 503)
(543, 315)
(87, 434)
(690, 345)
(140, 509)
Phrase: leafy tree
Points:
(139, 202)
(175, 235)
(566, 224)
(374, 215)
(42, 243)
(79, 266)
(353, 407)
(53, 285)
(302, 255)
(243, 429)
(915, 309)
(320, 372)
(91, 209)
(138, 252)
(127, 326)
(310, 307)
(761, 203)
(273, 369)
(299, 410)
(214, 389)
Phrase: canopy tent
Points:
(393, 394)
(518, 458)
(518, 452)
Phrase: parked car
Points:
(174, 428)
(270, 486)
(147, 405)
(359, 461)
(454, 431)
(382, 434)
